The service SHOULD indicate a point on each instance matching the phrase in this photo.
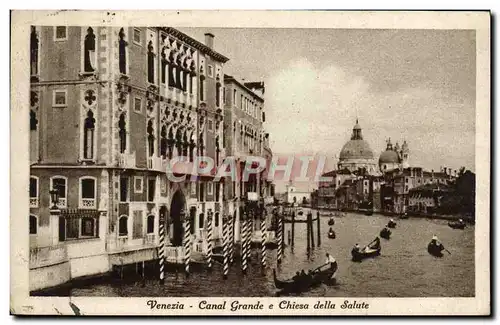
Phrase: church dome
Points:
(356, 148)
(389, 157)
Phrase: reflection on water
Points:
(404, 269)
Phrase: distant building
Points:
(295, 196)
(356, 153)
(394, 157)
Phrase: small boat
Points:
(403, 216)
(435, 250)
(331, 234)
(385, 233)
(391, 224)
(331, 222)
(366, 252)
(456, 225)
(307, 282)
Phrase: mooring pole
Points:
(293, 229)
(263, 231)
(225, 241)
(209, 240)
(243, 243)
(161, 250)
(187, 242)
(310, 220)
(308, 235)
(318, 228)
(280, 238)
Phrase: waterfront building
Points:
(109, 108)
(394, 157)
(245, 136)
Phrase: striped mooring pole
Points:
(249, 236)
(161, 251)
(231, 239)
(280, 238)
(209, 240)
(225, 241)
(187, 242)
(263, 231)
(243, 244)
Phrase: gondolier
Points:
(330, 260)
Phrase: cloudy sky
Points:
(417, 85)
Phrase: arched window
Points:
(33, 121)
(33, 224)
(122, 52)
(88, 136)
(164, 63)
(88, 192)
(150, 228)
(89, 56)
(33, 192)
(123, 226)
(171, 66)
(151, 139)
(163, 141)
(122, 133)
(151, 63)
(59, 183)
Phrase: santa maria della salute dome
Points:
(357, 153)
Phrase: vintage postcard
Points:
(246, 163)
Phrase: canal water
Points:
(404, 268)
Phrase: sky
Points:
(413, 85)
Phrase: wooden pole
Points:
(293, 230)
(243, 244)
(209, 240)
(161, 250)
(308, 235)
(225, 241)
(280, 237)
(187, 243)
(310, 217)
(318, 223)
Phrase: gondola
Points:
(331, 222)
(404, 216)
(435, 250)
(366, 252)
(331, 234)
(305, 283)
(391, 224)
(456, 225)
(385, 233)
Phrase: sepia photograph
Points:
(251, 169)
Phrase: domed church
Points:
(356, 153)
(394, 157)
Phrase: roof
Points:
(389, 157)
(228, 78)
(356, 149)
(194, 43)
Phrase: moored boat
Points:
(331, 234)
(305, 282)
(391, 224)
(331, 222)
(456, 225)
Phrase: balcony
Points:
(61, 203)
(150, 239)
(156, 164)
(126, 160)
(88, 203)
(33, 202)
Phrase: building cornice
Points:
(194, 43)
(229, 78)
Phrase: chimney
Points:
(209, 40)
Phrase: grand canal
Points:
(404, 269)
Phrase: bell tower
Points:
(405, 155)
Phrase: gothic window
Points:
(150, 224)
(122, 133)
(171, 141)
(151, 139)
(171, 76)
(191, 149)
(33, 121)
(163, 141)
(89, 51)
(88, 136)
(164, 63)
(178, 142)
(178, 72)
(123, 226)
(151, 63)
(122, 52)
(34, 51)
(185, 144)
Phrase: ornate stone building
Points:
(356, 153)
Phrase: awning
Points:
(79, 213)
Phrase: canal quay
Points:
(403, 269)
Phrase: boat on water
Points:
(323, 274)
(457, 225)
(385, 233)
(331, 234)
(403, 216)
(371, 250)
(435, 249)
(331, 222)
(391, 224)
